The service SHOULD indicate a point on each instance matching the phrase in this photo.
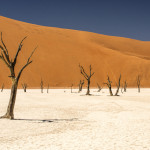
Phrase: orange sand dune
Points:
(61, 50)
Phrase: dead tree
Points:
(125, 86)
(48, 88)
(11, 64)
(138, 82)
(99, 88)
(2, 87)
(118, 86)
(108, 83)
(41, 86)
(109, 86)
(122, 89)
(71, 87)
(81, 85)
(24, 86)
(87, 77)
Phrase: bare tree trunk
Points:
(125, 86)
(139, 89)
(118, 86)
(88, 87)
(2, 87)
(10, 109)
(71, 87)
(80, 86)
(109, 86)
(122, 89)
(138, 83)
(47, 88)
(110, 91)
(41, 86)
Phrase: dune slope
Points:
(61, 50)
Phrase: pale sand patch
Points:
(64, 121)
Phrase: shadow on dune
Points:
(47, 120)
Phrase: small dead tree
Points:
(99, 88)
(122, 89)
(81, 85)
(41, 86)
(48, 88)
(11, 64)
(138, 82)
(71, 87)
(108, 83)
(2, 87)
(87, 77)
(118, 86)
(125, 86)
(109, 86)
(24, 86)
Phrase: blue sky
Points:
(123, 18)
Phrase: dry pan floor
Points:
(60, 120)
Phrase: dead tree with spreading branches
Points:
(87, 77)
(2, 87)
(24, 86)
(138, 80)
(11, 64)
(99, 88)
(41, 84)
(118, 86)
(108, 83)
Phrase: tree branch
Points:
(31, 54)
(90, 70)
(4, 50)
(4, 44)
(83, 71)
(19, 49)
(28, 62)
(92, 74)
(20, 72)
(2, 57)
(84, 76)
(106, 83)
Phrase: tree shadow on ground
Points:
(47, 120)
(90, 95)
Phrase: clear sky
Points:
(125, 18)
